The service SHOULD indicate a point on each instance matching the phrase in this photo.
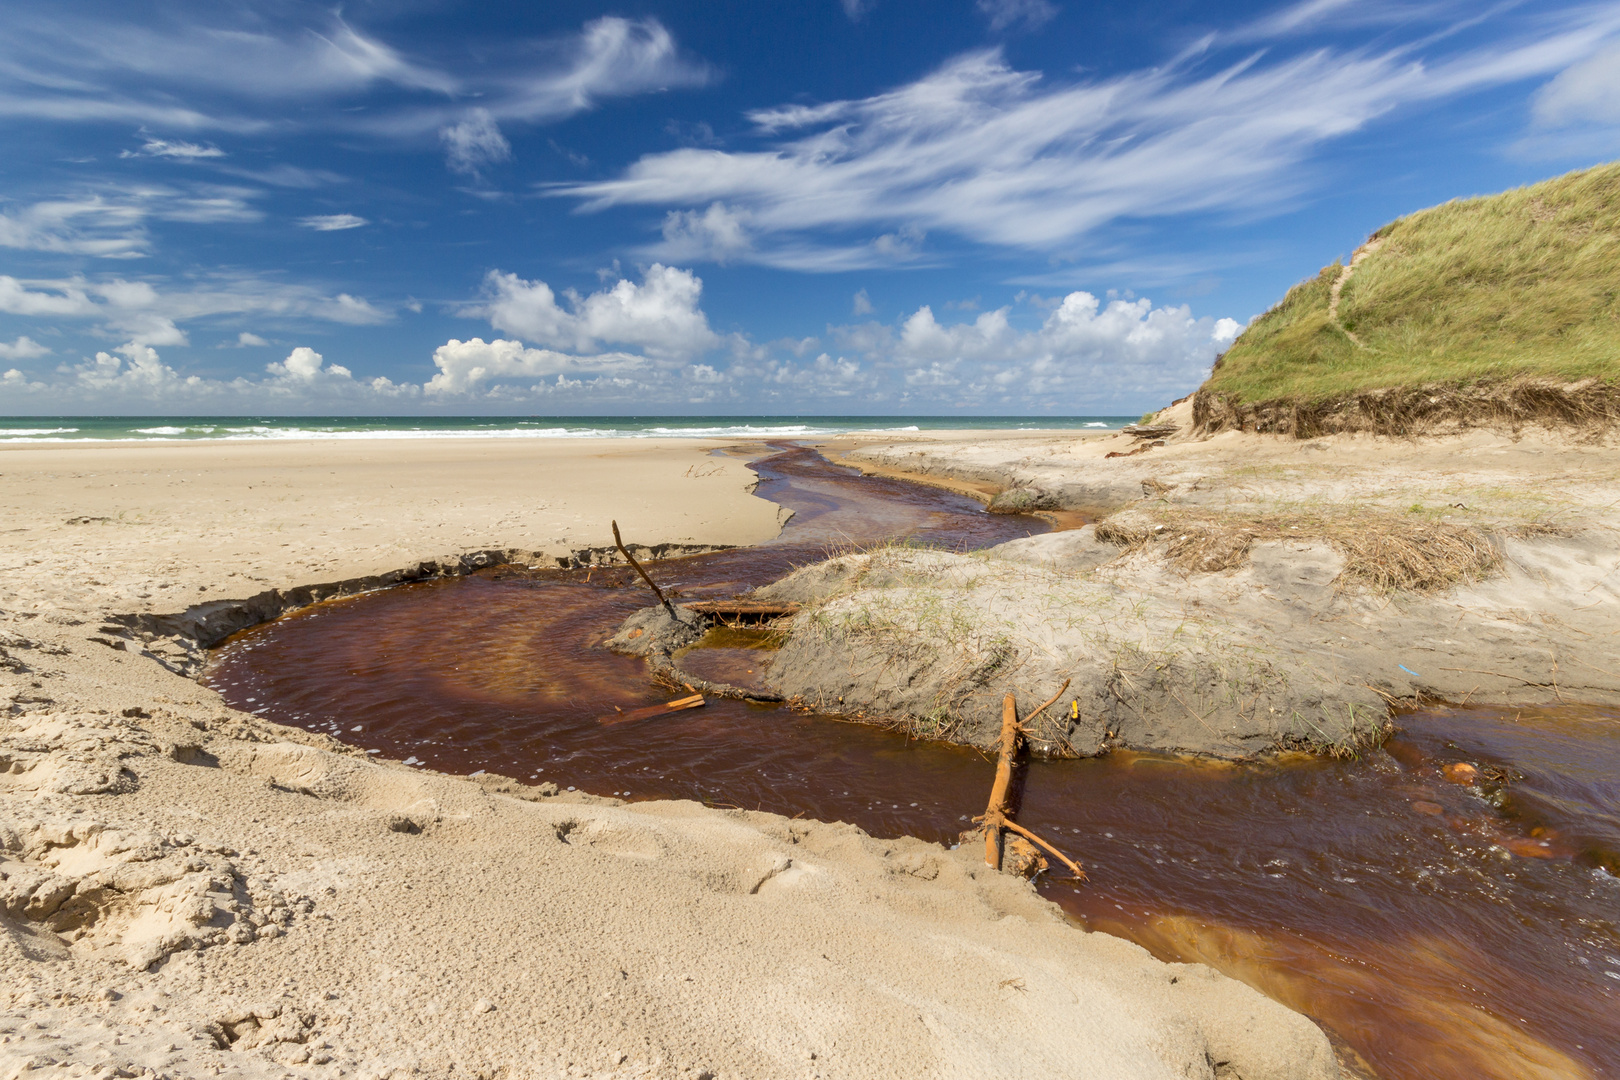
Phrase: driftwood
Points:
(662, 599)
(996, 815)
(741, 609)
(693, 702)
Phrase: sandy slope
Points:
(188, 891)
(1268, 632)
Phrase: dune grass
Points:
(1521, 284)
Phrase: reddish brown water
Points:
(1437, 929)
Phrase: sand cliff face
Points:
(187, 890)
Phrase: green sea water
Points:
(62, 429)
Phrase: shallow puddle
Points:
(1441, 921)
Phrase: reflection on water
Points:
(1439, 905)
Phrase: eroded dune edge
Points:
(188, 890)
(1234, 596)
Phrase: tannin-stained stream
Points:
(1436, 929)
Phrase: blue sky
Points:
(833, 206)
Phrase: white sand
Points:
(195, 892)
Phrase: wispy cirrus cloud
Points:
(174, 148)
(154, 312)
(1009, 158)
(110, 221)
(333, 222)
(1017, 14)
(232, 70)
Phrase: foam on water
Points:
(240, 428)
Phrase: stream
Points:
(1447, 906)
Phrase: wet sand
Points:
(189, 889)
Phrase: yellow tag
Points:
(1074, 709)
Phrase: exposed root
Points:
(1591, 405)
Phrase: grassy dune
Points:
(1525, 284)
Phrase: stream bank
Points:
(1435, 929)
(1237, 596)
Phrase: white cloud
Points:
(138, 370)
(333, 222)
(135, 377)
(245, 340)
(90, 225)
(856, 9)
(1587, 92)
(24, 348)
(232, 69)
(468, 365)
(661, 315)
(1029, 14)
(862, 304)
(1075, 354)
(55, 299)
(717, 234)
(112, 223)
(303, 365)
(151, 313)
(1010, 158)
(1083, 352)
(174, 148)
(474, 143)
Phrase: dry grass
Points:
(1522, 286)
(1385, 552)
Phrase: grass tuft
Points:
(1382, 551)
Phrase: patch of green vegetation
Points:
(1521, 284)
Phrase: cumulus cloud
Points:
(303, 365)
(469, 365)
(648, 344)
(474, 143)
(24, 348)
(132, 369)
(1027, 14)
(1081, 339)
(1007, 157)
(135, 377)
(661, 315)
(332, 222)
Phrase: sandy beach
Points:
(188, 890)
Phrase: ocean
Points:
(63, 429)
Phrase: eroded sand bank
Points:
(188, 890)
(1237, 595)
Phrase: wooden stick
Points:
(650, 583)
(1026, 834)
(1048, 703)
(694, 702)
(996, 811)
